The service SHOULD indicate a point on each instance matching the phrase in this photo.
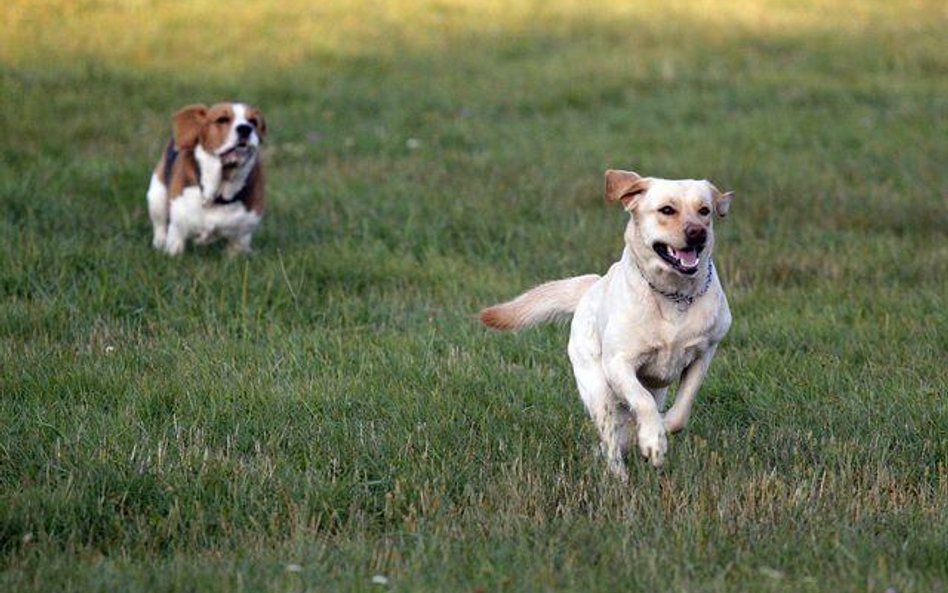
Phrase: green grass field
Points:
(328, 411)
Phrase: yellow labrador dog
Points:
(656, 317)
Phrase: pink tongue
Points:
(689, 258)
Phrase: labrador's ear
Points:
(187, 124)
(626, 187)
(722, 201)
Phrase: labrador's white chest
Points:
(663, 361)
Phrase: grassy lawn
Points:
(328, 411)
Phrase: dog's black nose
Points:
(696, 235)
(244, 130)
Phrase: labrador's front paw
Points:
(653, 443)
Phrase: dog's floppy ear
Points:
(625, 186)
(261, 121)
(722, 201)
(187, 124)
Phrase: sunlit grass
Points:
(202, 38)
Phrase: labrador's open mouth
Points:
(684, 261)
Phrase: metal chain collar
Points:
(681, 298)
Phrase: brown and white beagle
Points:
(208, 184)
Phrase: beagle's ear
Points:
(626, 187)
(261, 121)
(187, 125)
(722, 201)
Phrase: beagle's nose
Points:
(244, 130)
(696, 235)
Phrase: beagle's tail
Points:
(547, 302)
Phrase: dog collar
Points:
(683, 300)
(241, 195)
(220, 200)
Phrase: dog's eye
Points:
(667, 210)
(253, 121)
(704, 211)
(223, 120)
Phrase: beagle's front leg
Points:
(211, 175)
(620, 373)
